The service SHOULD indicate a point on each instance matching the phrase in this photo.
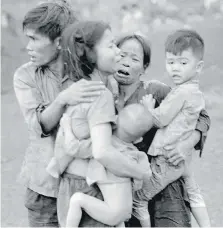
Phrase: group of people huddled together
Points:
(107, 149)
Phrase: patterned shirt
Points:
(176, 116)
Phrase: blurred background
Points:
(155, 19)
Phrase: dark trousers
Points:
(169, 208)
(42, 210)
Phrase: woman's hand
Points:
(148, 101)
(82, 91)
(79, 92)
(176, 154)
(180, 151)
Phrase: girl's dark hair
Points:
(78, 42)
(49, 18)
(145, 45)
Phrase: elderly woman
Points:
(171, 206)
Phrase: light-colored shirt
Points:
(35, 88)
(84, 117)
(176, 116)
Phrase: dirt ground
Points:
(14, 139)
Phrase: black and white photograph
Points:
(111, 113)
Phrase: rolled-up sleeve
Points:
(29, 99)
(203, 125)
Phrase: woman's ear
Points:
(200, 66)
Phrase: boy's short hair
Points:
(49, 18)
(182, 40)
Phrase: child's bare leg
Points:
(75, 212)
(201, 216)
(198, 207)
(116, 207)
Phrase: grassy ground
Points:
(208, 169)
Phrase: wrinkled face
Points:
(107, 53)
(40, 48)
(183, 67)
(130, 67)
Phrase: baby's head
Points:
(134, 121)
(184, 55)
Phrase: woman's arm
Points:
(110, 157)
(178, 152)
(100, 114)
(203, 125)
(196, 140)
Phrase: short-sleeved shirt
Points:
(176, 116)
(86, 116)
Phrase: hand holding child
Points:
(148, 101)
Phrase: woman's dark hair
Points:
(78, 42)
(145, 45)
